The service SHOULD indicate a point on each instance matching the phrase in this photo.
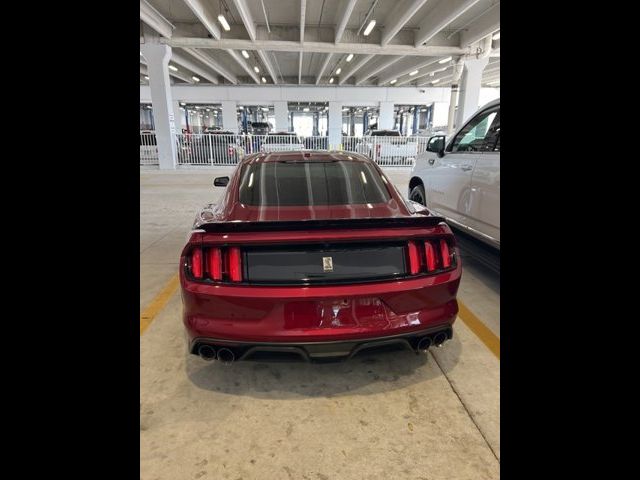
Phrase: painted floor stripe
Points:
(158, 303)
(480, 329)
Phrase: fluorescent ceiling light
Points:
(195, 79)
(349, 57)
(146, 77)
(264, 80)
(141, 53)
(496, 36)
(305, 109)
(338, 71)
(444, 60)
(423, 109)
(245, 54)
(435, 81)
(208, 110)
(493, 82)
(265, 109)
(432, 74)
(256, 69)
(413, 73)
(393, 81)
(331, 80)
(367, 30)
(171, 67)
(440, 70)
(241, 107)
(182, 103)
(223, 22)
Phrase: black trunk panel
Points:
(304, 264)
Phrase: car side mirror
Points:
(436, 145)
(220, 181)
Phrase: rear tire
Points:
(417, 195)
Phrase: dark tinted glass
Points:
(385, 133)
(311, 183)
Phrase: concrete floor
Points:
(401, 416)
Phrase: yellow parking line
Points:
(158, 303)
(480, 329)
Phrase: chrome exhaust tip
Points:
(226, 356)
(424, 343)
(207, 352)
(440, 338)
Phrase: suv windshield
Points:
(298, 183)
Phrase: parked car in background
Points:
(260, 128)
(459, 177)
(388, 145)
(315, 256)
(281, 142)
(215, 146)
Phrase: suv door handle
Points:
(465, 168)
(431, 161)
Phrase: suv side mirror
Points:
(220, 181)
(436, 145)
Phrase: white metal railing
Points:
(229, 149)
(148, 148)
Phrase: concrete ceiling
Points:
(408, 35)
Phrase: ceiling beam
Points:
(323, 67)
(212, 64)
(201, 10)
(178, 75)
(404, 67)
(303, 12)
(424, 73)
(194, 67)
(356, 66)
(153, 18)
(245, 66)
(342, 18)
(376, 68)
(445, 12)
(250, 25)
(441, 77)
(487, 24)
(317, 47)
(400, 15)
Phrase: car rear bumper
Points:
(322, 351)
(245, 316)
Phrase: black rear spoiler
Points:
(352, 223)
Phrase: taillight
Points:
(430, 256)
(214, 258)
(414, 259)
(235, 267)
(196, 262)
(444, 251)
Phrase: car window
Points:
(480, 134)
(299, 183)
(385, 133)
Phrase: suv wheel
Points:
(417, 195)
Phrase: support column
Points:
(335, 125)
(470, 89)
(157, 57)
(281, 113)
(385, 121)
(229, 115)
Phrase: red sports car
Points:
(315, 255)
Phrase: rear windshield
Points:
(282, 139)
(298, 183)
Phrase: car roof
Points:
(490, 104)
(305, 155)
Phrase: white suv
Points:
(460, 178)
